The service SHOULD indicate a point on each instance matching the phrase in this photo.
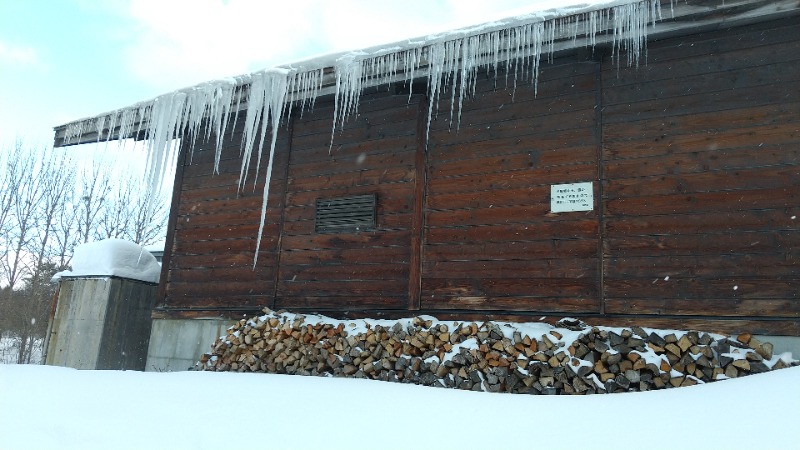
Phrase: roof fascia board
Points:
(684, 19)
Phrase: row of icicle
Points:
(269, 95)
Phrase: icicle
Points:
(255, 109)
(274, 105)
(436, 57)
(349, 81)
(630, 23)
(303, 88)
(270, 95)
(411, 62)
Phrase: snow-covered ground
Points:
(9, 349)
(44, 407)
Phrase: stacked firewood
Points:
(570, 358)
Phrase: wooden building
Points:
(691, 159)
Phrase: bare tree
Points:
(8, 179)
(133, 213)
(58, 181)
(18, 263)
(65, 229)
(47, 207)
(114, 218)
(57, 177)
(95, 186)
(150, 213)
(26, 196)
(8, 161)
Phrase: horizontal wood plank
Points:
(364, 177)
(530, 215)
(500, 287)
(540, 304)
(211, 302)
(537, 268)
(543, 231)
(772, 177)
(366, 255)
(772, 94)
(662, 268)
(513, 251)
(700, 222)
(344, 271)
(222, 289)
(704, 289)
(725, 241)
(718, 78)
(259, 275)
(342, 288)
(724, 201)
(782, 156)
(342, 303)
(733, 307)
(636, 138)
(347, 240)
(546, 148)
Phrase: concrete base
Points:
(176, 344)
(782, 344)
(101, 323)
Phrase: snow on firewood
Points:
(525, 358)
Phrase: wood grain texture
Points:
(701, 169)
(373, 154)
(694, 158)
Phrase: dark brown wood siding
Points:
(372, 153)
(694, 159)
(490, 242)
(213, 245)
(701, 155)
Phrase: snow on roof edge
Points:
(328, 60)
(113, 258)
(450, 60)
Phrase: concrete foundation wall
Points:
(176, 344)
(783, 344)
(101, 323)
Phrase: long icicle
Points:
(450, 64)
(275, 105)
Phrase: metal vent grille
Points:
(345, 214)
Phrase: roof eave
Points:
(685, 19)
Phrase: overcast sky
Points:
(67, 59)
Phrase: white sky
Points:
(68, 59)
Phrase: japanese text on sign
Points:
(571, 197)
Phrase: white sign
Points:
(571, 197)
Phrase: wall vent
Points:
(345, 214)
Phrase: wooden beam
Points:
(599, 199)
(713, 324)
(281, 224)
(172, 224)
(418, 215)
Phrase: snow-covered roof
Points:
(624, 24)
(113, 257)
(448, 60)
(520, 40)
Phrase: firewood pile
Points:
(532, 358)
